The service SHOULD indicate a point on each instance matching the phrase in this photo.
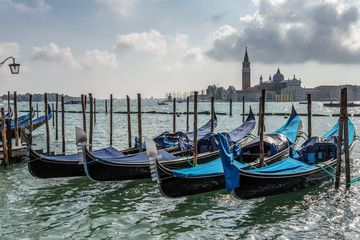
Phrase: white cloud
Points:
(151, 42)
(8, 49)
(23, 6)
(125, 8)
(293, 31)
(99, 59)
(181, 41)
(93, 59)
(194, 55)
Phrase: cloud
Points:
(24, 6)
(150, 42)
(99, 59)
(93, 59)
(8, 49)
(284, 31)
(194, 55)
(124, 8)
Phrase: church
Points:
(277, 88)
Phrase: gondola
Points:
(36, 123)
(308, 166)
(22, 118)
(210, 176)
(61, 165)
(136, 166)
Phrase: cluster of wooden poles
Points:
(6, 133)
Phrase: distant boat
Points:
(162, 103)
(337, 104)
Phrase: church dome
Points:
(278, 77)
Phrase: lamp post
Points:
(14, 67)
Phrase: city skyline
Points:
(156, 46)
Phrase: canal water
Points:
(77, 208)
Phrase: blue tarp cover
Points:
(202, 131)
(335, 131)
(105, 152)
(289, 128)
(210, 168)
(288, 165)
(138, 158)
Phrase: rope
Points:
(251, 165)
(326, 171)
(302, 137)
(304, 134)
(252, 135)
(189, 161)
(329, 166)
(353, 181)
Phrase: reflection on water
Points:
(77, 208)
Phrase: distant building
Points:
(246, 81)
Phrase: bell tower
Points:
(246, 71)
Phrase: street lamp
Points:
(14, 67)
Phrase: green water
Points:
(77, 208)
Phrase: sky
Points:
(154, 47)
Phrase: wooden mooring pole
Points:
(212, 113)
(243, 108)
(346, 140)
(106, 109)
(340, 140)
(8, 137)
(187, 113)
(53, 118)
(94, 110)
(83, 105)
(30, 111)
(47, 125)
(57, 117)
(63, 123)
(9, 104)
(111, 119)
(91, 122)
(3, 138)
(37, 110)
(16, 120)
(230, 107)
(139, 122)
(309, 114)
(128, 119)
(262, 114)
(195, 129)
(174, 115)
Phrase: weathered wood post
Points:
(262, 113)
(3, 138)
(91, 122)
(57, 117)
(63, 123)
(94, 110)
(340, 141)
(111, 119)
(243, 112)
(309, 114)
(128, 119)
(346, 139)
(53, 118)
(195, 129)
(230, 107)
(9, 104)
(16, 121)
(139, 122)
(83, 106)
(8, 137)
(212, 113)
(106, 109)
(174, 115)
(187, 113)
(30, 111)
(37, 110)
(47, 125)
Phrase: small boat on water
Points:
(71, 165)
(309, 165)
(23, 118)
(210, 176)
(337, 104)
(136, 166)
(162, 103)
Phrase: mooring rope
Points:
(326, 171)
(307, 137)
(353, 181)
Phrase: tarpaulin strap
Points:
(326, 171)
(329, 166)
(304, 134)
(252, 135)
(251, 165)
(353, 181)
